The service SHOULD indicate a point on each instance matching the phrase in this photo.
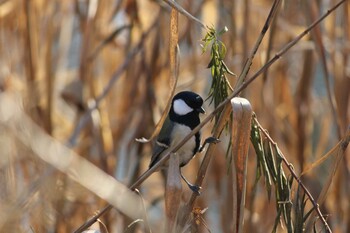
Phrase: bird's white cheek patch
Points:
(181, 108)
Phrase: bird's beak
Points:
(201, 110)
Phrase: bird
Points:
(182, 118)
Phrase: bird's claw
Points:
(212, 140)
(209, 140)
(195, 188)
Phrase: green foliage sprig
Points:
(220, 86)
(269, 165)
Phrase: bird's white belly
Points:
(186, 151)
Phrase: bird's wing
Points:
(162, 142)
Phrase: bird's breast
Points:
(186, 151)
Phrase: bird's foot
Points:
(212, 140)
(209, 140)
(195, 188)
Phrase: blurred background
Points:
(60, 58)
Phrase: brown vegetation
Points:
(81, 80)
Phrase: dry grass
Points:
(93, 75)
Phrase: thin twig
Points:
(174, 148)
(181, 10)
(291, 170)
(93, 219)
(266, 26)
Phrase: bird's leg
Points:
(209, 140)
(194, 188)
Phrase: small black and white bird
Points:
(182, 118)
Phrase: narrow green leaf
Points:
(213, 71)
(264, 166)
(255, 139)
(227, 70)
(211, 63)
(222, 51)
(270, 160)
(277, 220)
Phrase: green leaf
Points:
(213, 72)
(222, 52)
(270, 160)
(211, 63)
(307, 215)
(255, 139)
(227, 69)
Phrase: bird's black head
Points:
(185, 108)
